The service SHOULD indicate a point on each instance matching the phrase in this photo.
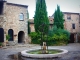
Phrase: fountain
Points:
(43, 52)
(26, 53)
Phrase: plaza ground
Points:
(73, 48)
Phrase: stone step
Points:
(12, 43)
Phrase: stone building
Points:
(71, 23)
(13, 22)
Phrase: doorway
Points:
(21, 37)
(10, 32)
(1, 35)
(71, 38)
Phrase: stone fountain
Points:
(44, 52)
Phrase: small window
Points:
(21, 17)
(69, 16)
(73, 26)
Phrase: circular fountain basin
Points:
(26, 54)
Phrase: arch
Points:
(1, 35)
(10, 32)
(21, 36)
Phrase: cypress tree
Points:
(28, 22)
(58, 18)
(29, 27)
(27, 14)
(40, 16)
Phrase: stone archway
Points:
(21, 37)
(10, 32)
(1, 35)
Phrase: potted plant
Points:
(7, 38)
(0, 44)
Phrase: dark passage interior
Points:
(20, 37)
(1, 35)
(71, 38)
(10, 32)
(1, 7)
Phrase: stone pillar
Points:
(44, 48)
(76, 40)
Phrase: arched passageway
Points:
(10, 32)
(21, 37)
(1, 35)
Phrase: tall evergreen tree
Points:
(28, 22)
(58, 18)
(27, 14)
(29, 27)
(40, 17)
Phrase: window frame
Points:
(21, 17)
(73, 26)
(69, 16)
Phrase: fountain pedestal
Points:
(44, 49)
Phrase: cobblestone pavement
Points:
(73, 54)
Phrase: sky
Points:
(65, 6)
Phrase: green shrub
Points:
(58, 36)
(63, 31)
(35, 37)
(53, 31)
(7, 37)
(55, 37)
(0, 43)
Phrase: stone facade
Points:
(32, 25)
(10, 20)
(70, 20)
(74, 19)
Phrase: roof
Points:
(2, 0)
(17, 4)
(68, 13)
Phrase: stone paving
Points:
(73, 48)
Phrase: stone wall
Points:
(68, 23)
(10, 20)
(1, 21)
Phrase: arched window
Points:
(21, 16)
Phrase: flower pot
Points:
(6, 41)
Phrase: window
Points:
(21, 17)
(73, 26)
(69, 16)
